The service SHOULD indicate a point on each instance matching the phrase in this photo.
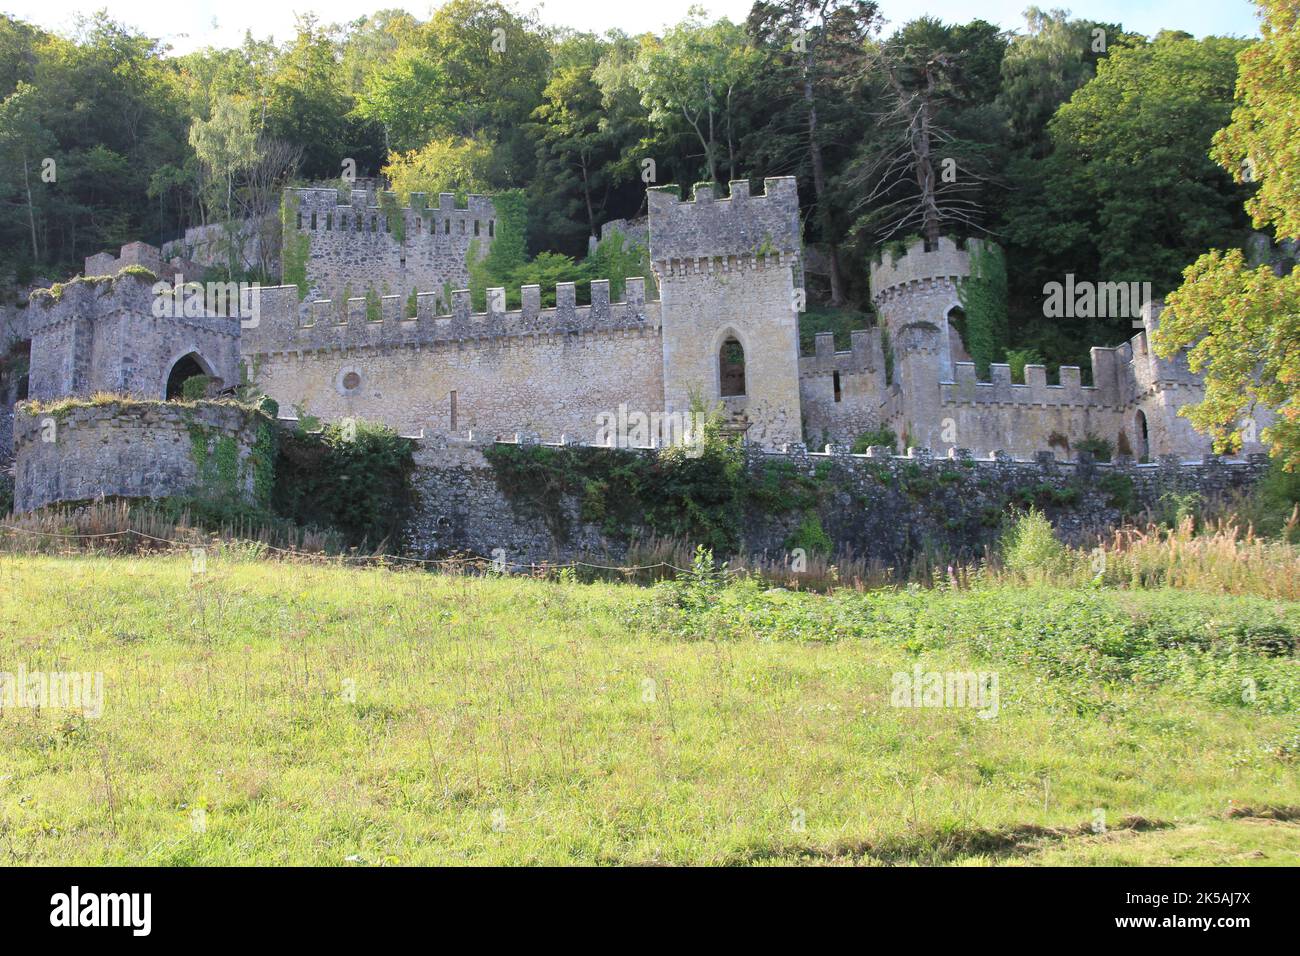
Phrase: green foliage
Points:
(296, 245)
(195, 388)
(1175, 507)
(618, 259)
(811, 536)
(1030, 546)
(412, 304)
(882, 436)
(353, 477)
(1120, 491)
(823, 318)
(447, 165)
(1100, 448)
(673, 493)
(984, 300)
(374, 306)
(1086, 208)
(1018, 359)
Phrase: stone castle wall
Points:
(370, 242)
(553, 369)
(935, 400)
(881, 507)
(135, 450)
(730, 269)
(102, 335)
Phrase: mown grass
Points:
(322, 715)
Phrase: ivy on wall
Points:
(353, 476)
(983, 297)
(297, 245)
(675, 493)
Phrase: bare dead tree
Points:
(903, 191)
(277, 162)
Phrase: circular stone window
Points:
(349, 381)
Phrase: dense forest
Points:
(1077, 146)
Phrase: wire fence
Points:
(456, 561)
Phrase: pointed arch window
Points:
(731, 367)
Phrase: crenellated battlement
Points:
(742, 226)
(863, 356)
(285, 325)
(917, 264)
(966, 387)
(367, 213)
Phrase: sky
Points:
(190, 24)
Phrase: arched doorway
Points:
(731, 368)
(186, 367)
(1143, 449)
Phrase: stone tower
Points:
(119, 335)
(730, 288)
(344, 249)
(913, 296)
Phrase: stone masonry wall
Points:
(359, 245)
(879, 507)
(136, 450)
(547, 370)
(101, 335)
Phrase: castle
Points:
(378, 326)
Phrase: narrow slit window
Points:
(835, 379)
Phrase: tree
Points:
(1129, 193)
(447, 165)
(918, 174)
(226, 144)
(475, 69)
(577, 137)
(308, 105)
(694, 76)
(814, 46)
(1044, 66)
(1241, 325)
(24, 143)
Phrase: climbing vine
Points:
(297, 245)
(393, 213)
(354, 477)
(983, 298)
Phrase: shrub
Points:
(1030, 546)
(1099, 448)
(195, 388)
(811, 536)
(1018, 359)
(884, 435)
(353, 477)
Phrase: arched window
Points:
(186, 367)
(1143, 441)
(731, 368)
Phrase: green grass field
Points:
(280, 713)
